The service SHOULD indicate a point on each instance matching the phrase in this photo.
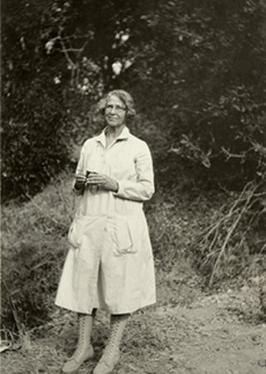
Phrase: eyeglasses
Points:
(117, 108)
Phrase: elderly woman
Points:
(110, 262)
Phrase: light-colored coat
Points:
(110, 262)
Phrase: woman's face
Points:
(115, 112)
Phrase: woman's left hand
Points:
(102, 181)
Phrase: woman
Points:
(110, 262)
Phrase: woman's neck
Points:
(113, 132)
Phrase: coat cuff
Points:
(137, 191)
(119, 191)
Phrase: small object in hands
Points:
(93, 188)
(80, 183)
(87, 176)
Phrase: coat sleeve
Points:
(143, 188)
(80, 169)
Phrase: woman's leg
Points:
(84, 349)
(111, 353)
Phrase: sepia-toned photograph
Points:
(133, 187)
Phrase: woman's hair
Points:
(122, 95)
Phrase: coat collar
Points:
(123, 136)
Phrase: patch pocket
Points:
(122, 237)
(77, 230)
(73, 236)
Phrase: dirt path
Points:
(218, 334)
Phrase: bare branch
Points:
(234, 155)
(66, 53)
(230, 233)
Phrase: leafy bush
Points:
(34, 113)
(228, 140)
(34, 143)
(202, 67)
(195, 69)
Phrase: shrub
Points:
(227, 142)
(34, 143)
(234, 241)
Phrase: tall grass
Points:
(34, 245)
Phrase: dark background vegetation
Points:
(197, 72)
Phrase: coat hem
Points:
(106, 309)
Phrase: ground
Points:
(190, 331)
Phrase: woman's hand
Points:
(102, 181)
(80, 181)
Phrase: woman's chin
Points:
(114, 123)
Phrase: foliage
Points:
(204, 70)
(34, 112)
(195, 69)
(229, 141)
(50, 77)
(33, 143)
